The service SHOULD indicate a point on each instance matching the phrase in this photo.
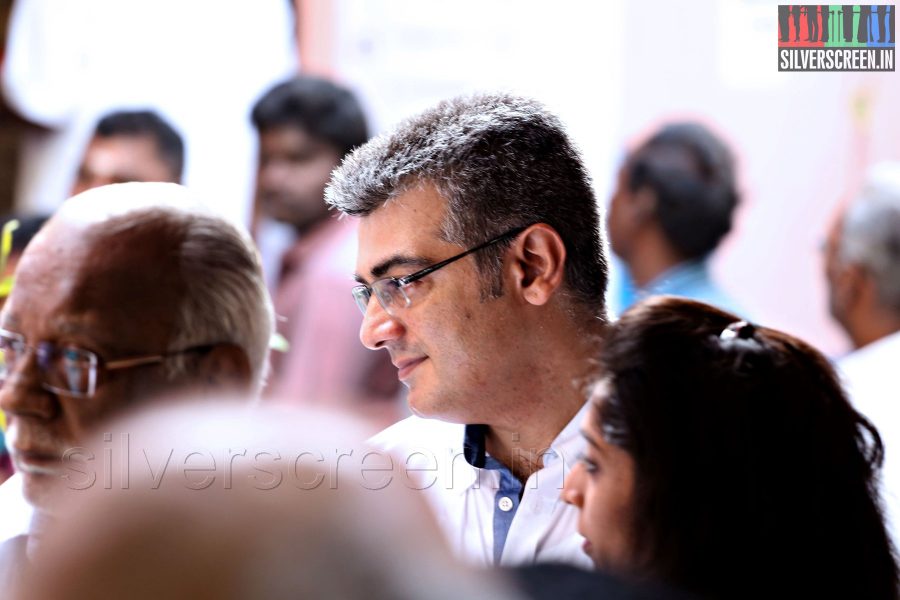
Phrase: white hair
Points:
(871, 232)
(225, 299)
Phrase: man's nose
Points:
(22, 391)
(272, 175)
(378, 327)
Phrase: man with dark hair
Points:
(482, 273)
(131, 146)
(672, 205)
(306, 125)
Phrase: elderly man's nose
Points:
(22, 391)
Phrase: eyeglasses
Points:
(69, 370)
(390, 290)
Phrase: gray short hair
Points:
(225, 299)
(871, 232)
(500, 162)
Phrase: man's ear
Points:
(643, 204)
(538, 264)
(863, 286)
(225, 367)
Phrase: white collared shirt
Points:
(870, 376)
(464, 499)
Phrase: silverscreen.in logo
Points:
(836, 37)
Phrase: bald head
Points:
(130, 292)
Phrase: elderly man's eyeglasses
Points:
(390, 291)
(69, 370)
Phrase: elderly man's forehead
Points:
(106, 264)
(132, 239)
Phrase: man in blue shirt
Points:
(673, 204)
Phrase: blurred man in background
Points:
(66, 65)
(863, 272)
(306, 126)
(131, 146)
(129, 293)
(672, 206)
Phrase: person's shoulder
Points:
(553, 581)
(867, 375)
(415, 432)
(15, 512)
(13, 561)
(878, 355)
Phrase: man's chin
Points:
(427, 408)
(419, 403)
(40, 484)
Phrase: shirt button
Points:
(505, 504)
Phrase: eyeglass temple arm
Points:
(137, 361)
(420, 274)
(126, 363)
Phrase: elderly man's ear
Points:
(225, 367)
(538, 263)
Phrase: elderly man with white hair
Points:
(131, 292)
(863, 271)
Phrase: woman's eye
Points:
(589, 465)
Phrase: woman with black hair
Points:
(724, 459)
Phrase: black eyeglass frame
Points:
(365, 292)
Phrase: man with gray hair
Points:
(863, 272)
(482, 272)
(131, 292)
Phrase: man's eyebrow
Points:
(398, 260)
(95, 338)
(70, 328)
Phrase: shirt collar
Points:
(569, 443)
(566, 445)
(682, 276)
(474, 446)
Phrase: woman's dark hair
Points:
(754, 476)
